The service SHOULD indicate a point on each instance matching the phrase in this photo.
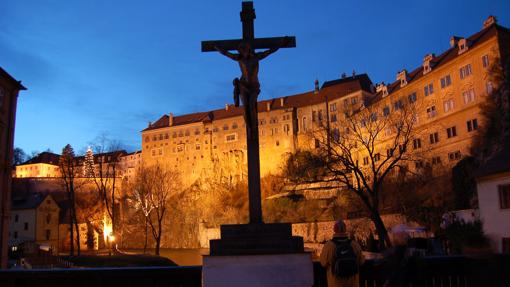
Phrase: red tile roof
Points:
(332, 89)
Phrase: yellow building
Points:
(44, 164)
(35, 219)
(447, 91)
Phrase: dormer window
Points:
(402, 77)
(427, 63)
(463, 45)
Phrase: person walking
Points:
(342, 258)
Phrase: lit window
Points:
(469, 96)
(446, 81)
(431, 111)
(451, 132)
(465, 71)
(472, 125)
(448, 105)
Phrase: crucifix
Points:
(247, 87)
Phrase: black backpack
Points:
(345, 263)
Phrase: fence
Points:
(451, 271)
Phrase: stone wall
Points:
(316, 233)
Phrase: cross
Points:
(248, 88)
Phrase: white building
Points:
(493, 186)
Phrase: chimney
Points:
(402, 77)
(226, 107)
(453, 41)
(268, 106)
(489, 21)
(316, 91)
(150, 123)
(282, 101)
(353, 73)
(427, 63)
(170, 119)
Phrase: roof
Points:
(447, 56)
(32, 201)
(331, 89)
(499, 163)
(44, 157)
(6, 75)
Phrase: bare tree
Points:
(105, 174)
(152, 191)
(370, 146)
(140, 196)
(68, 171)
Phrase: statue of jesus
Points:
(248, 86)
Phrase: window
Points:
(225, 127)
(197, 132)
(147, 139)
(365, 160)
(428, 89)
(485, 61)
(15, 234)
(16, 218)
(333, 118)
(389, 152)
(180, 148)
(48, 218)
(504, 196)
(412, 97)
(402, 148)
(448, 105)
(451, 132)
(469, 96)
(230, 138)
(452, 156)
(417, 143)
(286, 128)
(465, 71)
(277, 143)
(418, 164)
(197, 146)
(273, 120)
(436, 160)
(505, 245)
(398, 105)
(472, 125)
(303, 125)
(431, 111)
(373, 117)
(154, 138)
(336, 134)
(262, 122)
(354, 100)
(332, 107)
(274, 131)
(386, 111)
(314, 116)
(320, 116)
(186, 133)
(25, 226)
(174, 135)
(445, 81)
(377, 157)
(166, 136)
(48, 234)
(434, 138)
(489, 88)
(160, 136)
(317, 143)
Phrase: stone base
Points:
(258, 270)
(256, 239)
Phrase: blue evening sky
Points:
(94, 67)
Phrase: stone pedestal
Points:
(256, 239)
(292, 269)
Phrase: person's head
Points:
(244, 49)
(339, 228)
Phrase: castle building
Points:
(447, 91)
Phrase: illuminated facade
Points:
(447, 90)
